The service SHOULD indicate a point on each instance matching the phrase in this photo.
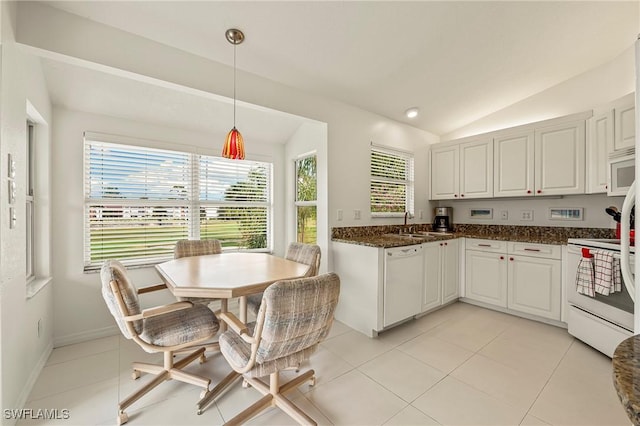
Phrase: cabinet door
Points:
(486, 277)
(432, 292)
(450, 279)
(513, 165)
(476, 169)
(560, 159)
(625, 127)
(599, 141)
(535, 286)
(445, 172)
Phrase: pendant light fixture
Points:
(234, 144)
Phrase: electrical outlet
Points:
(526, 215)
(339, 214)
(420, 214)
(40, 327)
(356, 214)
(504, 215)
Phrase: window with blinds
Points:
(139, 201)
(391, 182)
(234, 202)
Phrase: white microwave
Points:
(622, 173)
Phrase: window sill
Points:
(34, 286)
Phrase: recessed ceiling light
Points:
(412, 112)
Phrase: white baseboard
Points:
(33, 377)
(85, 336)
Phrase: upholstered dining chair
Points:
(167, 329)
(308, 254)
(188, 248)
(294, 317)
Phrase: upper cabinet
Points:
(462, 171)
(560, 159)
(546, 158)
(625, 124)
(476, 169)
(445, 172)
(610, 135)
(599, 142)
(513, 165)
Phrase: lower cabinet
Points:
(535, 282)
(441, 274)
(521, 277)
(486, 271)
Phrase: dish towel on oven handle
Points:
(607, 272)
(585, 278)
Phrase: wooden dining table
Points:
(225, 276)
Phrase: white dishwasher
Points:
(403, 280)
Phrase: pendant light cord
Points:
(234, 86)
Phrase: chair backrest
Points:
(309, 254)
(112, 270)
(188, 248)
(298, 314)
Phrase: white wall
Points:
(23, 351)
(586, 91)
(80, 312)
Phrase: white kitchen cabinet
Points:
(513, 165)
(441, 274)
(486, 271)
(534, 286)
(463, 170)
(445, 172)
(560, 159)
(522, 277)
(403, 282)
(625, 124)
(476, 169)
(600, 136)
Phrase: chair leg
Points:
(274, 395)
(293, 411)
(168, 371)
(217, 390)
(255, 408)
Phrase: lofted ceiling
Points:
(456, 61)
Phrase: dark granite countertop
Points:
(626, 376)
(390, 235)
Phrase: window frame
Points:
(30, 204)
(408, 183)
(306, 203)
(192, 203)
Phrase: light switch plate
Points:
(12, 191)
(11, 169)
(12, 217)
(526, 215)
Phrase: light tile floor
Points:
(461, 365)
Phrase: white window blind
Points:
(235, 199)
(391, 182)
(139, 201)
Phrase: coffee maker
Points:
(442, 219)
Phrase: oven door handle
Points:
(627, 277)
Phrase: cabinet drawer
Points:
(548, 251)
(486, 245)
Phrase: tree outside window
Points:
(306, 199)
